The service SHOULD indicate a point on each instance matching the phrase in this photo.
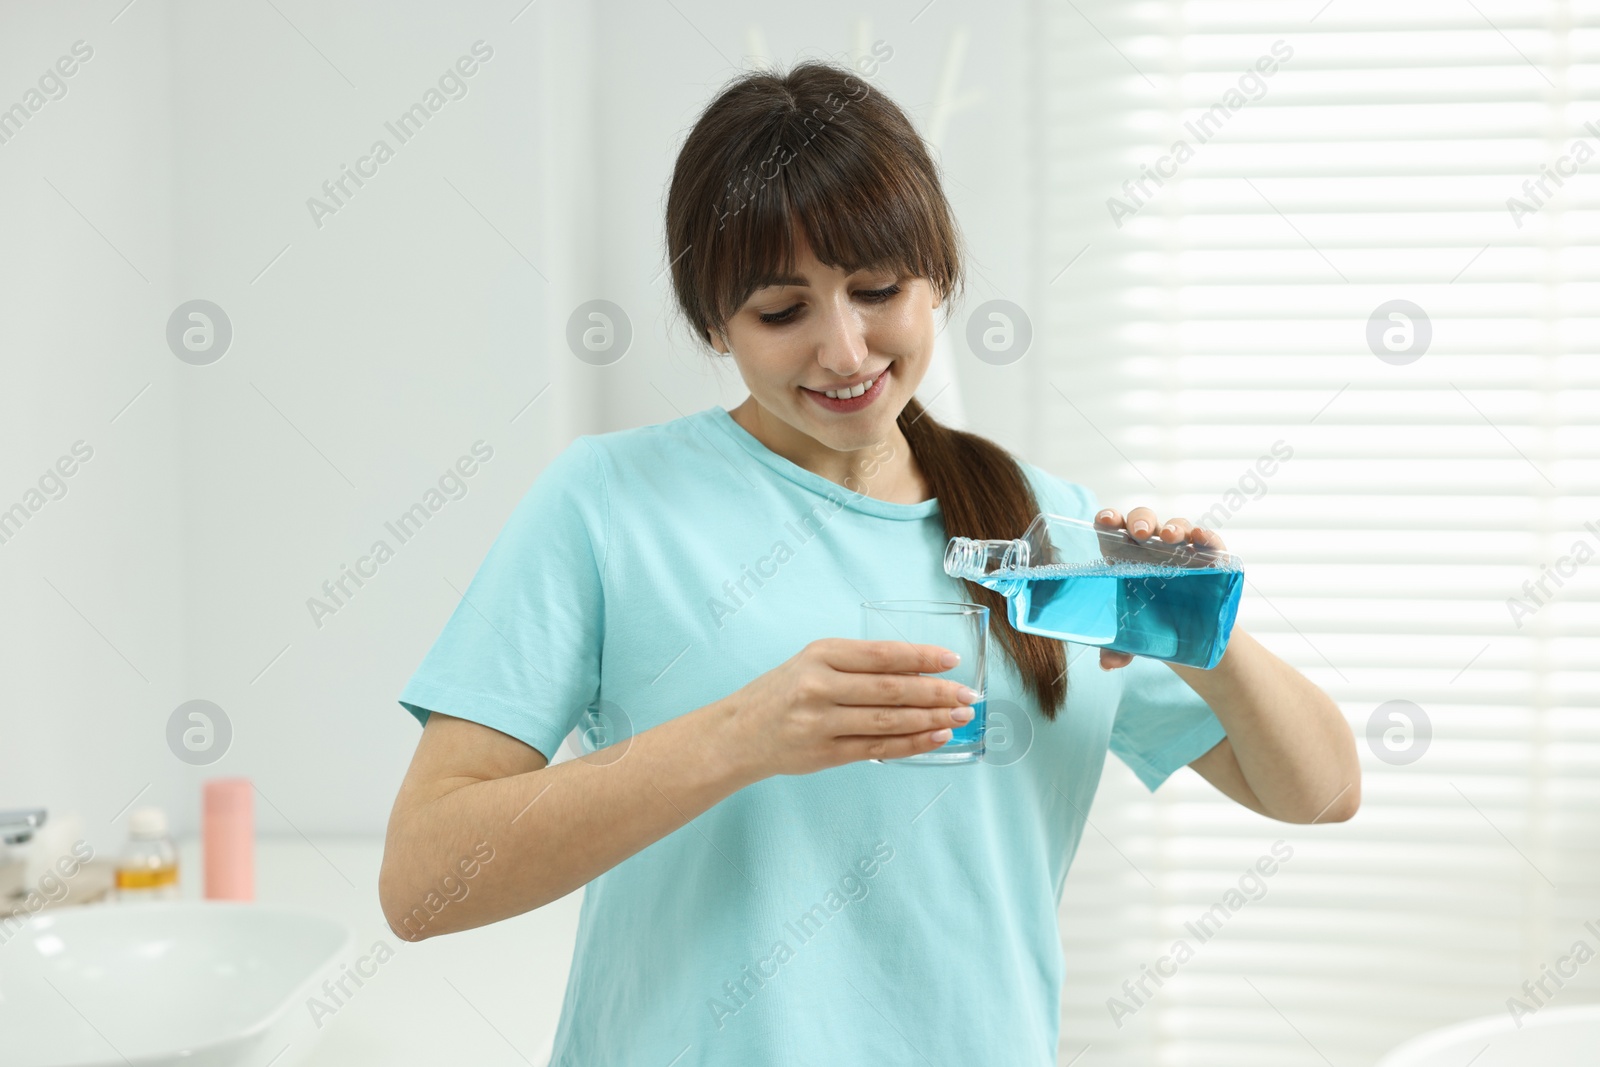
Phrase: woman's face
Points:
(826, 331)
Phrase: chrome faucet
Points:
(18, 826)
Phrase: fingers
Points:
(1110, 661)
(888, 748)
(898, 690)
(885, 657)
(1174, 530)
(1143, 524)
(870, 722)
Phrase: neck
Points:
(884, 471)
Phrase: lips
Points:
(842, 391)
(847, 405)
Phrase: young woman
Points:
(756, 892)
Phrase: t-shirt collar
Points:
(812, 481)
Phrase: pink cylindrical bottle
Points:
(228, 839)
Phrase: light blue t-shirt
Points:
(867, 913)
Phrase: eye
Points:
(778, 318)
(873, 296)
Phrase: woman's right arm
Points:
(482, 829)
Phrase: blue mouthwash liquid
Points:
(1180, 614)
(969, 732)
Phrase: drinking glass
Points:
(962, 628)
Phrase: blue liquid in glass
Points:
(1183, 615)
(969, 732)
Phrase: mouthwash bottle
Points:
(1074, 581)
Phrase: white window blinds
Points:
(1430, 461)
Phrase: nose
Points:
(842, 343)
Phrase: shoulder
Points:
(657, 445)
(588, 462)
(1060, 496)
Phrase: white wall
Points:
(92, 635)
(368, 354)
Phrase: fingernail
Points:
(1140, 527)
(949, 659)
(963, 714)
(1104, 516)
(1170, 527)
(941, 736)
(969, 696)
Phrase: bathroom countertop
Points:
(489, 996)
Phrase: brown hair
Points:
(817, 149)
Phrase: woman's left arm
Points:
(1289, 753)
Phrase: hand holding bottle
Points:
(1167, 592)
(1142, 524)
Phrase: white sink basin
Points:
(1551, 1037)
(203, 984)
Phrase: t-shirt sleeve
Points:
(1161, 724)
(521, 651)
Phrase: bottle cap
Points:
(147, 822)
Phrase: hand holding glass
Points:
(960, 627)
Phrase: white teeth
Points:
(846, 394)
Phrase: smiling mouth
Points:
(858, 397)
(850, 392)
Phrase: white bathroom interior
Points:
(179, 605)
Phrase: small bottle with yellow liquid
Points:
(147, 869)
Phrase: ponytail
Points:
(984, 494)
